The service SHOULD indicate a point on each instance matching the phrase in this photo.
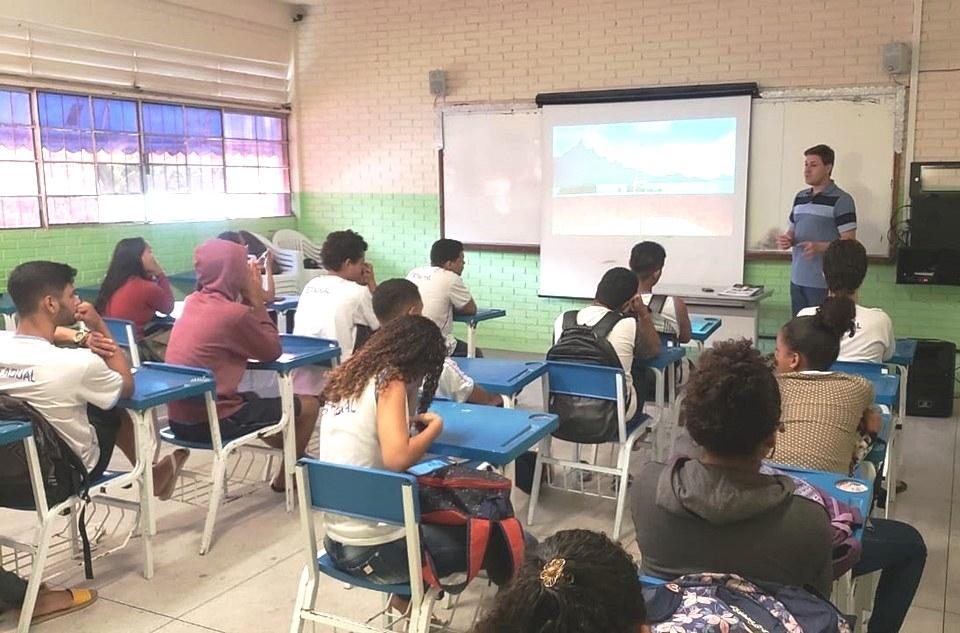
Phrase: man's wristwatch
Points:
(80, 337)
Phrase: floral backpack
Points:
(726, 603)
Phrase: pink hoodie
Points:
(218, 332)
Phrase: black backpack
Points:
(63, 472)
(586, 420)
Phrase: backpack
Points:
(726, 602)
(844, 520)
(480, 500)
(63, 473)
(586, 420)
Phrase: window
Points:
(258, 176)
(19, 193)
(91, 159)
(120, 160)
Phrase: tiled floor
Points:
(246, 584)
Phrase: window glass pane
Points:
(14, 108)
(237, 125)
(159, 118)
(269, 128)
(122, 208)
(18, 179)
(241, 153)
(64, 179)
(118, 179)
(165, 150)
(19, 212)
(203, 122)
(273, 180)
(64, 111)
(271, 154)
(114, 115)
(117, 147)
(71, 210)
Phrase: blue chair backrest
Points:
(861, 369)
(120, 333)
(14, 431)
(579, 379)
(361, 493)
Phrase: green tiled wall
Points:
(400, 229)
(88, 248)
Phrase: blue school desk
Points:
(298, 351)
(160, 383)
(472, 320)
(905, 351)
(505, 377)
(490, 434)
(281, 305)
(886, 386)
(704, 327)
(664, 368)
(14, 431)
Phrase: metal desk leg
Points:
(472, 340)
(289, 435)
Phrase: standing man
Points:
(820, 215)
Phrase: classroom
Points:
(666, 291)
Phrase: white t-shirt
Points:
(348, 435)
(664, 321)
(442, 292)
(454, 384)
(622, 337)
(873, 342)
(59, 382)
(332, 307)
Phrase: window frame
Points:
(144, 165)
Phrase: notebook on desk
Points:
(741, 290)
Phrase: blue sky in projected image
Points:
(690, 156)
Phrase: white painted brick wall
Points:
(367, 117)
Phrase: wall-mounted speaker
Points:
(438, 83)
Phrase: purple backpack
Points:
(844, 519)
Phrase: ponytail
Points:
(817, 337)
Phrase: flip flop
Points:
(179, 458)
(82, 598)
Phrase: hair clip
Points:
(552, 572)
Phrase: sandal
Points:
(82, 598)
(179, 458)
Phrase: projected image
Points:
(692, 156)
(651, 178)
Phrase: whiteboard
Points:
(492, 170)
(863, 133)
(491, 176)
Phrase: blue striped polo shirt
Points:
(818, 217)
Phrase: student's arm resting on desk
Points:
(683, 320)
(647, 341)
(398, 449)
(461, 298)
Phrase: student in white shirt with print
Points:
(443, 292)
(395, 298)
(337, 305)
(632, 337)
(76, 390)
(844, 268)
(373, 418)
(647, 260)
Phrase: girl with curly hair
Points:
(371, 406)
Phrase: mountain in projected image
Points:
(696, 156)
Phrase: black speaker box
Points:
(931, 380)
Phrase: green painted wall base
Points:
(400, 229)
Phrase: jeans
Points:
(897, 550)
(386, 564)
(13, 588)
(805, 296)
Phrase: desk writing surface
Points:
(668, 356)
(505, 377)
(14, 431)
(489, 434)
(703, 327)
(828, 482)
(484, 314)
(299, 351)
(696, 294)
(886, 388)
(905, 351)
(160, 383)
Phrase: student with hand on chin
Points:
(443, 292)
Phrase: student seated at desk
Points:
(717, 512)
(371, 405)
(669, 313)
(443, 292)
(395, 298)
(218, 332)
(51, 603)
(258, 253)
(828, 417)
(77, 389)
(575, 581)
(632, 334)
(844, 267)
(135, 289)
